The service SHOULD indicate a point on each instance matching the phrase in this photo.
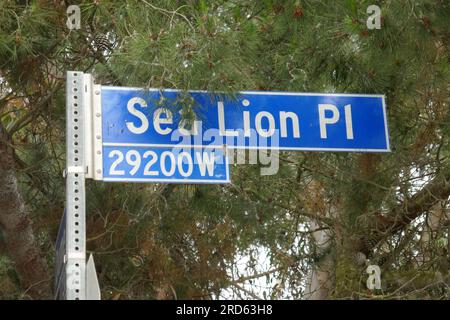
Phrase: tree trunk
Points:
(433, 221)
(320, 277)
(17, 231)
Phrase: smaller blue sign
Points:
(165, 164)
(60, 263)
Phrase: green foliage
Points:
(165, 241)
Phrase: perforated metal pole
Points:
(76, 91)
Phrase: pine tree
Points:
(169, 241)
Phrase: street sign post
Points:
(77, 146)
(145, 135)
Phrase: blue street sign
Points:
(60, 263)
(165, 164)
(251, 120)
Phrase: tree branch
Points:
(31, 115)
(401, 216)
(251, 294)
(436, 190)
